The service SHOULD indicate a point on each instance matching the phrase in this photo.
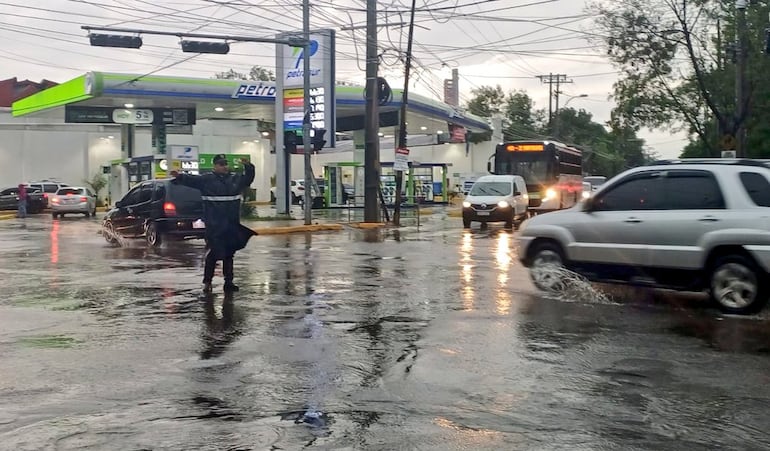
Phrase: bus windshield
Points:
(534, 172)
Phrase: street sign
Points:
(401, 162)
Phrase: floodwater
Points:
(379, 340)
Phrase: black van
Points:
(156, 210)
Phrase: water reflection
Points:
(466, 260)
(503, 260)
(221, 329)
(55, 242)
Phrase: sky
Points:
(490, 42)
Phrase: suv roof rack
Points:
(732, 161)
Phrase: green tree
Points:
(487, 101)
(256, 73)
(678, 72)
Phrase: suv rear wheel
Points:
(737, 285)
(152, 235)
(547, 269)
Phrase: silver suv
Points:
(690, 225)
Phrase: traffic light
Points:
(115, 40)
(318, 139)
(218, 48)
(290, 141)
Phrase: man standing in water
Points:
(221, 192)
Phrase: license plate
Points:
(483, 213)
(199, 224)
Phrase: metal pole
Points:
(402, 132)
(372, 149)
(306, 107)
(740, 80)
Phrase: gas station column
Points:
(127, 140)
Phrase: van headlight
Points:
(586, 194)
(503, 204)
(466, 204)
(550, 193)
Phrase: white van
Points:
(496, 198)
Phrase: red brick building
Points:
(12, 90)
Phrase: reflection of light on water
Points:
(55, 242)
(169, 304)
(469, 438)
(467, 271)
(503, 257)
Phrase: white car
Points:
(690, 225)
(73, 199)
(496, 198)
(296, 188)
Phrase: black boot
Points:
(227, 270)
(208, 271)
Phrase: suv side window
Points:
(692, 190)
(132, 198)
(9, 192)
(639, 192)
(145, 195)
(757, 187)
(160, 192)
(50, 188)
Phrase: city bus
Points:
(552, 171)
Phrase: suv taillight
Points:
(83, 199)
(169, 208)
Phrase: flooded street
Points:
(379, 340)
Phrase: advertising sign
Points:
(139, 116)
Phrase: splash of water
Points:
(570, 286)
(115, 237)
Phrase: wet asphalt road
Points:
(357, 340)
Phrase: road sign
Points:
(401, 162)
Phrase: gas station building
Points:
(129, 127)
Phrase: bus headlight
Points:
(466, 204)
(550, 193)
(503, 204)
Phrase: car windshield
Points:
(491, 189)
(71, 191)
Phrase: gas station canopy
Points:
(227, 99)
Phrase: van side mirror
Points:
(589, 205)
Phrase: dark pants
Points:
(212, 256)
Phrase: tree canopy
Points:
(256, 73)
(606, 152)
(678, 69)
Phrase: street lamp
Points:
(574, 97)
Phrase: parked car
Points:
(595, 180)
(691, 225)
(73, 199)
(296, 188)
(9, 200)
(48, 188)
(496, 198)
(156, 210)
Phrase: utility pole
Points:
(309, 182)
(402, 132)
(558, 80)
(741, 102)
(371, 138)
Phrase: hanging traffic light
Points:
(115, 40)
(290, 141)
(218, 48)
(317, 139)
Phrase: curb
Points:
(4, 217)
(368, 225)
(297, 229)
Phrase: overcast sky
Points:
(506, 42)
